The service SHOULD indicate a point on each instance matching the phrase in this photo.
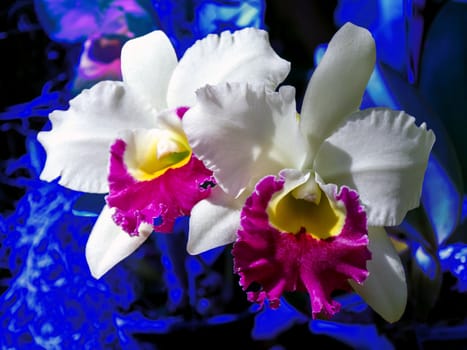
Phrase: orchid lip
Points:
(283, 262)
(150, 154)
(306, 208)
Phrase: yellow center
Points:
(313, 213)
(152, 152)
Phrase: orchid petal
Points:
(251, 133)
(385, 289)
(79, 143)
(243, 56)
(383, 155)
(338, 83)
(147, 65)
(108, 244)
(213, 222)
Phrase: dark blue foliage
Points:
(185, 21)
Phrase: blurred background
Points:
(161, 298)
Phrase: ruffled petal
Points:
(147, 65)
(242, 133)
(285, 262)
(108, 244)
(79, 143)
(158, 201)
(338, 83)
(385, 289)
(243, 56)
(383, 155)
(213, 222)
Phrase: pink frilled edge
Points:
(284, 262)
(157, 202)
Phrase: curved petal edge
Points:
(108, 244)
(242, 56)
(385, 289)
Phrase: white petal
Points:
(242, 132)
(244, 56)
(214, 222)
(337, 85)
(385, 289)
(170, 120)
(108, 244)
(383, 155)
(147, 65)
(78, 145)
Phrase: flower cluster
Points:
(304, 197)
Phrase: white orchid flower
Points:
(306, 198)
(125, 138)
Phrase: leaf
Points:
(425, 279)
